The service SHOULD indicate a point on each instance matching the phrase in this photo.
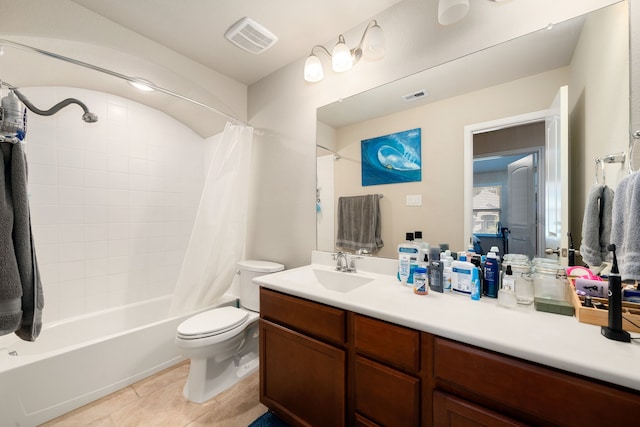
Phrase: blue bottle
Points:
(491, 275)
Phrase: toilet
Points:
(222, 343)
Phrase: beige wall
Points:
(440, 217)
(599, 71)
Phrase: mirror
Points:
(492, 84)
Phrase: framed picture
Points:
(392, 159)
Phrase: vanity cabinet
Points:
(302, 360)
(324, 366)
(494, 389)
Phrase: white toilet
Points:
(222, 343)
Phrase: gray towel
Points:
(21, 299)
(596, 225)
(359, 224)
(625, 228)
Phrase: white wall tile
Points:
(70, 158)
(69, 176)
(108, 201)
(43, 174)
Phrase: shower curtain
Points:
(217, 240)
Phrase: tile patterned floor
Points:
(158, 401)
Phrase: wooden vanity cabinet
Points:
(323, 366)
(494, 390)
(302, 360)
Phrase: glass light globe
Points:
(451, 11)
(313, 71)
(341, 59)
(374, 44)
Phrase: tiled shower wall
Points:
(112, 202)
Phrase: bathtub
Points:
(76, 361)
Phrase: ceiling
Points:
(195, 28)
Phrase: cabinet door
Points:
(385, 395)
(301, 379)
(449, 411)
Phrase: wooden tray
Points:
(596, 316)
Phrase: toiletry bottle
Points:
(491, 276)
(407, 259)
(507, 294)
(461, 277)
(435, 270)
(436, 276)
(475, 284)
(424, 247)
(420, 283)
(476, 260)
(446, 259)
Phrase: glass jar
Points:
(549, 281)
(523, 280)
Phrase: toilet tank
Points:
(250, 291)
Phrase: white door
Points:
(557, 177)
(521, 206)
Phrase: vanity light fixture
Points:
(372, 46)
(452, 11)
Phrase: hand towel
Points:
(625, 227)
(596, 225)
(10, 283)
(21, 298)
(359, 223)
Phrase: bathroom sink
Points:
(326, 278)
(340, 281)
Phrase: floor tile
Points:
(158, 401)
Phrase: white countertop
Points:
(550, 339)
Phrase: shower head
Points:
(89, 117)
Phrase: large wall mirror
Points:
(514, 83)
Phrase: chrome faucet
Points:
(341, 261)
(352, 264)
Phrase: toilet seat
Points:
(212, 322)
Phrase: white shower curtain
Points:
(217, 240)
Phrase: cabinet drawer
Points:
(318, 320)
(363, 422)
(527, 391)
(386, 396)
(449, 411)
(393, 344)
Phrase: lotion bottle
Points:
(408, 253)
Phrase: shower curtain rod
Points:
(118, 75)
(335, 154)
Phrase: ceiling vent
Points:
(414, 96)
(247, 34)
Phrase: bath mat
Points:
(268, 419)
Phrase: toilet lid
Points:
(212, 322)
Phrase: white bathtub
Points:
(76, 361)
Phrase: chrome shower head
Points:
(90, 117)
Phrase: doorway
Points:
(507, 183)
